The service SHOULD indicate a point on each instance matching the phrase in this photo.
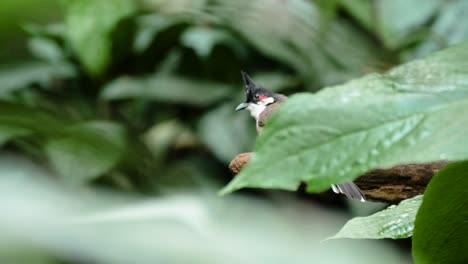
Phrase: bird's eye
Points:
(256, 96)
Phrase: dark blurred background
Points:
(117, 123)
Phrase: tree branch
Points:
(384, 185)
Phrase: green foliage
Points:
(377, 121)
(84, 151)
(441, 223)
(170, 89)
(14, 77)
(219, 127)
(97, 31)
(138, 97)
(411, 16)
(27, 120)
(78, 151)
(397, 221)
(448, 29)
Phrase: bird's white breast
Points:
(255, 110)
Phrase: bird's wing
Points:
(350, 190)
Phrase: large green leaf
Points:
(441, 224)
(82, 152)
(96, 28)
(166, 88)
(410, 114)
(397, 221)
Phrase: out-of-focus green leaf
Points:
(175, 6)
(7, 133)
(21, 120)
(95, 27)
(84, 151)
(441, 224)
(166, 88)
(361, 10)
(406, 115)
(149, 26)
(203, 40)
(17, 121)
(191, 173)
(46, 49)
(50, 31)
(162, 136)
(276, 81)
(79, 152)
(17, 76)
(448, 29)
(397, 221)
(320, 57)
(398, 20)
(226, 132)
(20, 252)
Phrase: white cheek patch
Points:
(267, 101)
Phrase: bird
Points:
(262, 103)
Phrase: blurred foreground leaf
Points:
(410, 114)
(166, 89)
(87, 225)
(441, 224)
(97, 32)
(397, 221)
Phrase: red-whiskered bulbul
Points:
(261, 103)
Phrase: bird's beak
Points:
(242, 106)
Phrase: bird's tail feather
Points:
(350, 190)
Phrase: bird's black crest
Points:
(249, 84)
(253, 90)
